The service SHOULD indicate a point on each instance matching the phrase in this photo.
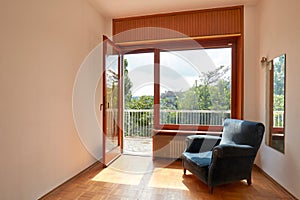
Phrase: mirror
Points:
(276, 75)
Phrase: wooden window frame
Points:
(235, 42)
(206, 44)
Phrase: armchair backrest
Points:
(242, 132)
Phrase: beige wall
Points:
(279, 31)
(271, 28)
(251, 64)
(42, 45)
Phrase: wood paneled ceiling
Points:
(128, 8)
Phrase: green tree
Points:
(279, 71)
(213, 92)
(127, 85)
(189, 99)
(169, 100)
(112, 88)
(278, 102)
(279, 81)
(142, 102)
(220, 96)
(212, 77)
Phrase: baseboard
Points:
(96, 163)
(275, 182)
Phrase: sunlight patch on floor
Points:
(130, 170)
(167, 178)
(127, 170)
(133, 164)
(113, 176)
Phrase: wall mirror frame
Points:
(276, 87)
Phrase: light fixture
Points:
(264, 62)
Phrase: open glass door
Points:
(112, 101)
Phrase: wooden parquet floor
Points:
(140, 178)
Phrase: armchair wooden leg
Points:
(249, 181)
(211, 189)
(184, 171)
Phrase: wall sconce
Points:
(264, 62)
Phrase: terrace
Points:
(138, 125)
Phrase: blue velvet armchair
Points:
(219, 160)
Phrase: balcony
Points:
(139, 123)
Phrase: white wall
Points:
(251, 64)
(42, 45)
(279, 31)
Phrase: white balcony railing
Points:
(140, 122)
(278, 119)
(197, 117)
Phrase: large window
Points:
(195, 86)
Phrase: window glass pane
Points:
(195, 86)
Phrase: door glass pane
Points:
(195, 86)
(112, 105)
(112, 101)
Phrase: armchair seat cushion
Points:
(198, 163)
(198, 159)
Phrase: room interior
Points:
(43, 46)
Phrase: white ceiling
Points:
(128, 8)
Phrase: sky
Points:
(179, 69)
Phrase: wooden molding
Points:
(210, 22)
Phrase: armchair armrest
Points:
(233, 150)
(201, 143)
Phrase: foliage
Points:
(212, 77)
(220, 96)
(112, 88)
(142, 102)
(189, 99)
(213, 92)
(127, 84)
(169, 100)
(279, 72)
(278, 103)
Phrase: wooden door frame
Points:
(106, 41)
